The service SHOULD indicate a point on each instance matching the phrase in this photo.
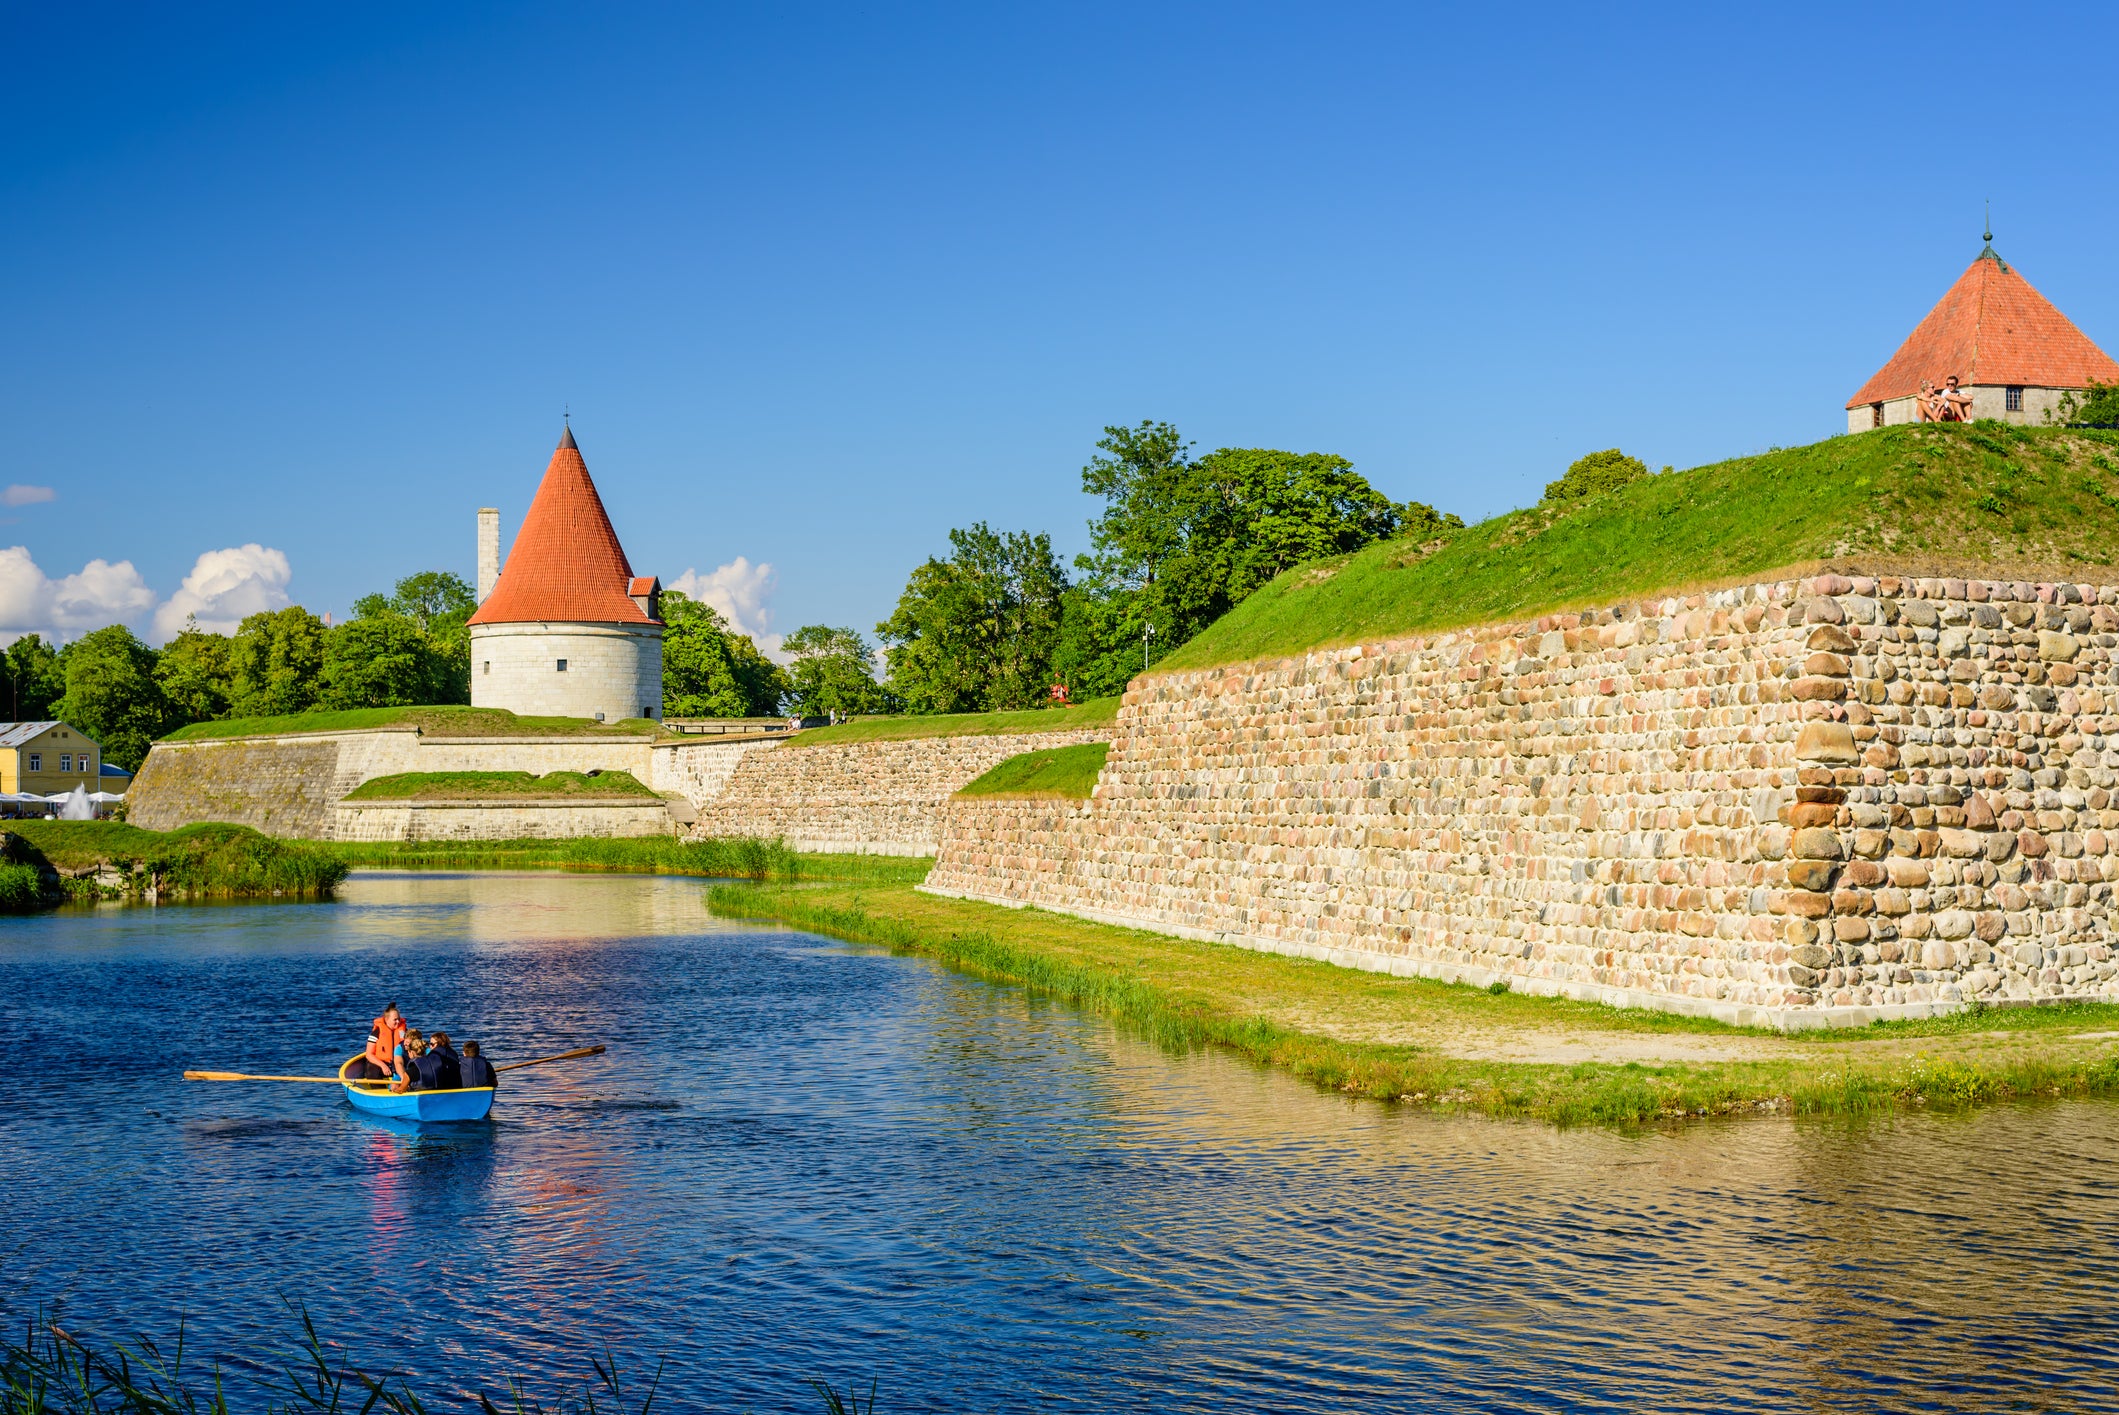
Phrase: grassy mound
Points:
(445, 721)
(1058, 773)
(208, 861)
(502, 786)
(1985, 498)
(1097, 712)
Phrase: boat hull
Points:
(470, 1103)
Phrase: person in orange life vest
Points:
(385, 1039)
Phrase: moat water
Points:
(801, 1159)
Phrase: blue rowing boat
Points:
(374, 1098)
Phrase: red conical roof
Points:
(566, 563)
(1991, 327)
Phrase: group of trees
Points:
(996, 624)
(1181, 540)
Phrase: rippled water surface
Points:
(803, 1160)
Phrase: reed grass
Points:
(1309, 1018)
(52, 1371)
(727, 857)
(207, 861)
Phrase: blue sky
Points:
(821, 282)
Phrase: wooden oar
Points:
(541, 1060)
(243, 1076)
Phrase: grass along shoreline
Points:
(88, 861)
(1450, 1047)
(733, 857)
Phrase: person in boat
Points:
(423, 1069)
(452, 1077)
(476, 1070)
(379, 1061)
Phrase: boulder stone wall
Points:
(1798, 803)
(867, 798)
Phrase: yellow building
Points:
(47, 758)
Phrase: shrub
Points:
(21, 889)
(2095, 406)
(1596, 474)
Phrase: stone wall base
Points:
(513, 820)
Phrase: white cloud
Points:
(20, 495)
(99, 593)
(223, 587)
(741, 591)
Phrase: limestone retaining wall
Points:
(484, 820)
(869, 798)
(1798, 803)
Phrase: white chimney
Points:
(488, 550)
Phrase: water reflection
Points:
(801, 1159)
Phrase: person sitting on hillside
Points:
(476, 1070)
(1928, 405)
(451, 1064)
(1956, 403)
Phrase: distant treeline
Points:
(994, 626)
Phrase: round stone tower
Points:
(569, 630)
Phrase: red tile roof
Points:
(1991, 327)
(566, 563)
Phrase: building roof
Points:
(566, 563)
(14, 734)
(1991, 328)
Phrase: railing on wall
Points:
(738, 726)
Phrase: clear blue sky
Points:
(821, 282)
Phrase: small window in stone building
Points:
(562, 665)
(1876, 415)
(2014, 398)
(488, 670)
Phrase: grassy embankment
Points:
(2005, 502)
(1050, 774)
(197, 862)
(501, 786)
(1097, 712)
(450, 721)
(732, 858)
(1454, 1047)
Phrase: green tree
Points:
(1422, 524)
(382, 660)
(1595, 474)
(2095, 406)
(1104, 639)
(976, 632)
(277, 662)
(439, 605)
(35, 678)
(833, 671)
(1196, 535)
(194, 674)
(708, 670)
(112, 695)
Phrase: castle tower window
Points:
(489, 666)
(2014, 397)
(562, 665)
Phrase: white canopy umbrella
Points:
(106, 798)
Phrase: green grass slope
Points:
(1054, 773)
(502, 786)
(446, 721)
(2006, 502)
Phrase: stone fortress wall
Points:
(1793, 803)
(867, 797)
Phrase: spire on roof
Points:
(566, 563)
(566, 438)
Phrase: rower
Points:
(477, 1071)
